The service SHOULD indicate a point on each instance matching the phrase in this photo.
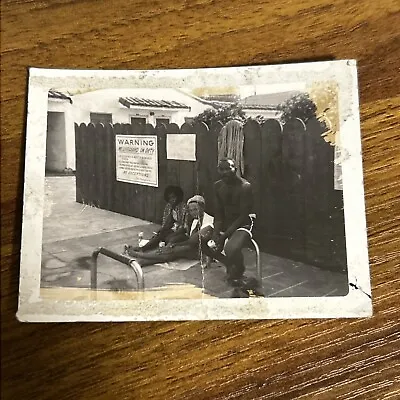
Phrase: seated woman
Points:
(173, 228)
(200, 232)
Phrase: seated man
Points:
(200, 232)
(234, 218)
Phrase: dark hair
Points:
(176, 190)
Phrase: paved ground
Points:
(72, 232)
(66, 219)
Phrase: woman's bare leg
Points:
(165, 254)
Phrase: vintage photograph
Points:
(200, 189)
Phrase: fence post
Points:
(252, 153)
(173, 177)
(215, 136)
(160, 131)
(109, 165)
(204, 152)
(78, 166)
(149, 192)
(293, 218)
(136, 193)
(91, 156)
(272, 183)
(84, 164)
(100, 149)
(118, 195)
(187, 169)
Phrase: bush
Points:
(258, 118)
(298, 106)
(222, 115)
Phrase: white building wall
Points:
(106, 101)
(67, 108)
(56, 144)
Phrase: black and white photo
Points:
(222, 193)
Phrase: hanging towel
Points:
(230, 144)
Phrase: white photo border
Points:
(358, 301)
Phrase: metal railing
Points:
(130, 262)
(258, 260)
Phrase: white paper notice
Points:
(136, 159)
(181, 146)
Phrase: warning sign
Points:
(136, 159)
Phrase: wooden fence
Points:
(299, 214)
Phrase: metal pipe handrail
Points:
(117, 257)
(138, 272)
(258, 260)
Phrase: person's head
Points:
(196, 206)
(173, 195)
(227, 169)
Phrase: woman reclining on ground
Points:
(200, 232)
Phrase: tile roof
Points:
(219, 104)
(256, 102)
(224, 98)
(140, 102)
(257, 107)
(270, 99)
(54, 94)
(212, 101)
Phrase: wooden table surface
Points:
(307, 359)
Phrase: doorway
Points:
(56, 149)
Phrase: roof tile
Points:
(141, 102)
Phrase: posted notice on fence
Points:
(181, 146)
(136, 159)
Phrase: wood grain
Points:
(321, 359)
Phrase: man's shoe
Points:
(255, 293)
(251, 283)
(239, 293)
(235, 282)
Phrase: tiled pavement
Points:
(70, 238)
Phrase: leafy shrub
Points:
(222, 115)
(298, 106)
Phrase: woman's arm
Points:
(168, 223)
